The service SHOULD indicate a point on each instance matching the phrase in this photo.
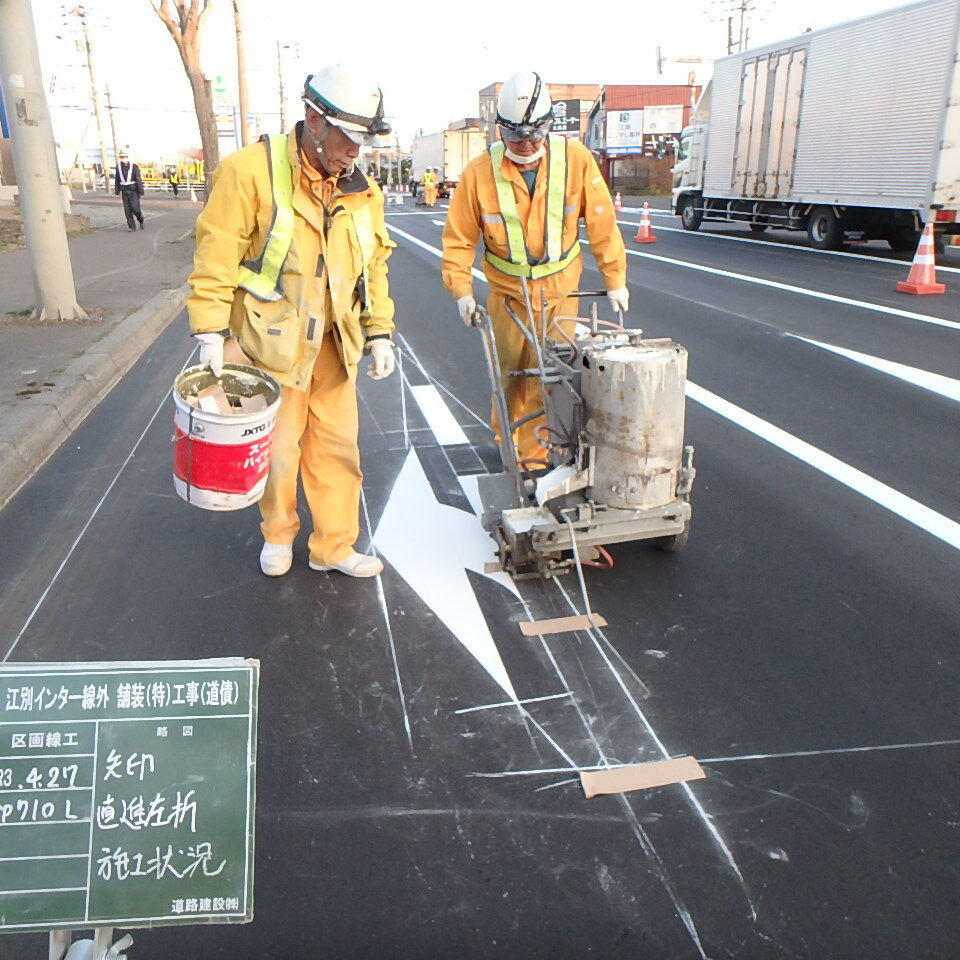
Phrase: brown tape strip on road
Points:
(536, 628)
(641, 776)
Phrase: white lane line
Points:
(934, 382)
(426, 246)
(898, 503)
(441, 421)
(409, 213)
(790, 246)
(90, 519)
(803, 291)
(936, 524)
(440, 223)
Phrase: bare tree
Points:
(184, 19)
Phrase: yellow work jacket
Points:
(285, 335)
(475, 213)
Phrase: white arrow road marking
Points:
(934, 382)
(442, 422)
(440, 223)
(432, 545)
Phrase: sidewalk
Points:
(52, 374)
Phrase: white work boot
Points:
(276, 558)
(356, 565)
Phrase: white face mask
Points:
(533, 158)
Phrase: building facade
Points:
(633, 130)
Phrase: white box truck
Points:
(849, 133)
(450, 150)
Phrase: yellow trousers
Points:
(516, 353)
(430, 195)
(316, 438)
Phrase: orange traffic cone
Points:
(923, 270)
(645, 231)
(617, 205)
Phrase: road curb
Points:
(32, 431)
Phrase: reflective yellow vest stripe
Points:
(261, 277)
(521, 263)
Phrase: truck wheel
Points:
(690, 216)
(903, 240)
(823, 229)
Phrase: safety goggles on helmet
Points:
(515, 133)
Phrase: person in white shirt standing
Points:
(129, 185)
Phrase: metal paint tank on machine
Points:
(634, 397)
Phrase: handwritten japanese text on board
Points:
(126, 793)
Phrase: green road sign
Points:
(127, 793)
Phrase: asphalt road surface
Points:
(417, 782)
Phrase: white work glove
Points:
(211, 351)
(619, 299)
(467, 307)
(381, 353)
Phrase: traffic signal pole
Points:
(38, 176)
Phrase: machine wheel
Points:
(690, 216)
(675, 543)
(758, 227)
(823, 229)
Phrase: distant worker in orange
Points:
(525, 198)
(429, 185)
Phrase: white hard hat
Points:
(524, 109)
(349, 99)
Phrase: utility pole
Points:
(241, 77)
(113, 126)
(38, 175)
(81, 14)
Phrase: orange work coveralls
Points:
(475, 213)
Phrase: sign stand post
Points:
(101, 947)
(59, 941)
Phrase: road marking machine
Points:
(618, 470)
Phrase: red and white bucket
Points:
(220, 461)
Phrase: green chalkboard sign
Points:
(127, 793)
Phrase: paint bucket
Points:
(220, 460)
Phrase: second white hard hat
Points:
(524, 106)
